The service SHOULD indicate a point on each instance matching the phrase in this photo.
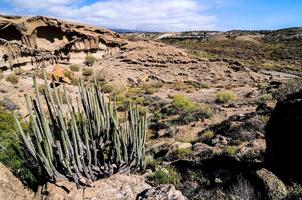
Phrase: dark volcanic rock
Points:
(283, 137)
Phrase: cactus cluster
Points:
(85, 141)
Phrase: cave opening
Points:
(10, 33)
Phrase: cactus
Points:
(84, 141)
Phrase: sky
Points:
(166, 15)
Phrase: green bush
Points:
(181, 153)
(89, 60)
(106, 88)
(225, 96)
(87, 72)
(166, 175)
(231, 150)
(181, 103)
(75, 67)
(13, 154)
(12, 78)
(265, 98)
(207, 135)
(150, 162)
(71, 76)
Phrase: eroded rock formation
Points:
(26, 40)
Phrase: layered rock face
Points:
(26, 40)
(283, 137)
(11, 188)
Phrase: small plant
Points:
(171, 131)
(242, 189)
(208, 135)
(181, 153)
(183, 87)
(12, 78)
(106, 88)
(263, 118)
(87, 72)
(75, 67)
(150, 162)
(231, 150)
(8, 104)
(89, 60)
(207, 110)
(71, 76)
(265, 98)
(181, 103)
(14, 155)
(263, 86)
(225, 96)
(166, 175)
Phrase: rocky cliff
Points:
(26, 40)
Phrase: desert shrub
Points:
(87, 72)
(263, 86)
(181, 153)
(166, 175)
(150, 162)
(243, 190)
(14, 155)
(12, 78)
(151, 88)
(171, 131)
(263, 118)
(208, 135)
(294, 191)
(89, 60)
(206, 110)
(75, 67)
(231, 150)
(197, 85)
(181, 103)
(183, 87)
(106, 88)
(197, 175)
(265, 98)
(225, 96)
(8, 104)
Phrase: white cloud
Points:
(149, 15)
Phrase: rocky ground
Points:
(207, 136)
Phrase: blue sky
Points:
(166, 15)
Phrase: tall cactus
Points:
(83, 141)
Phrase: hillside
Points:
(278, 50)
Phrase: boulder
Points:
(274, 187)
(119, 186)
(11, 188)
(163, 192)
(283, 137)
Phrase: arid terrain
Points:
(208, 96)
